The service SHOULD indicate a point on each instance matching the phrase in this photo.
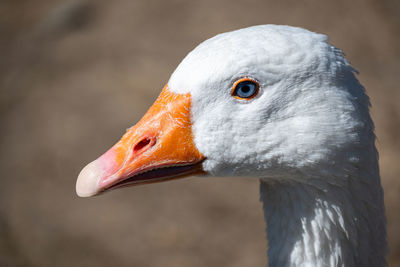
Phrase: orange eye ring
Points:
(252, 87)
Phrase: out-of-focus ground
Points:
(75, 74)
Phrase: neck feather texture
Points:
(323, 224)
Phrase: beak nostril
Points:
(143, 143)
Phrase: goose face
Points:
(299, 116)
(301, 120)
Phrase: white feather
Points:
(308, 135)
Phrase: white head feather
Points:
(309, 125)
(310, 110)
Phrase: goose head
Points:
(269, 102)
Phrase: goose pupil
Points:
(246, 89)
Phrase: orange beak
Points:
(159, 147)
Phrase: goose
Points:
(275, 103)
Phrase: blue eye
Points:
(245, 89)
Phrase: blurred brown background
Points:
(75, 74)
